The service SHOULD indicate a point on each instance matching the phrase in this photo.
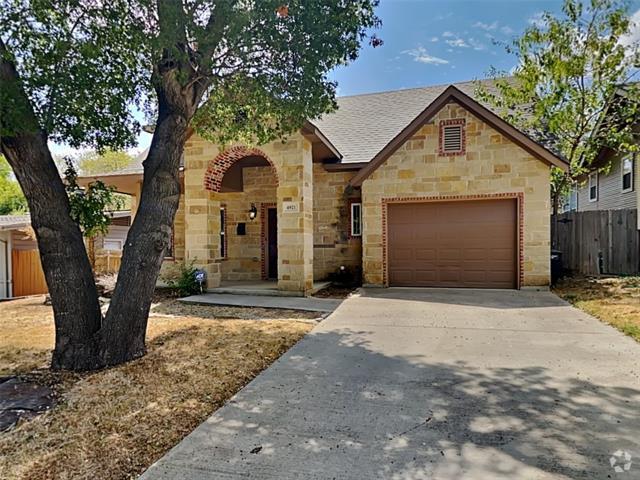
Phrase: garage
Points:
(470, 244)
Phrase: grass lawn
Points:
(615, 300)
(114, 423)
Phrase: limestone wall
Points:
(492, 164)
(332, 243)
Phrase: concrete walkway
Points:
(309, 304)
(432, 384)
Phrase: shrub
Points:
(182, 278)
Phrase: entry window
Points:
(452, 137)
(223, 231)
(627, 174)
(593, 187)
(356, 219)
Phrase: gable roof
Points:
(449, 94)
(363, 124)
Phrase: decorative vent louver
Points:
(452, 138)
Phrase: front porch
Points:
(249, 216)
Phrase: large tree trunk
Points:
(125, 326)
(64, 260)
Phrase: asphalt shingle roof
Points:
(364, 124)
(10, 222)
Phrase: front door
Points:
(272, 243)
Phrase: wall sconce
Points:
(253, 212)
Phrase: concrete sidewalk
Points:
(309, 304)
(409, 384)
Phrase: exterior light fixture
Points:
(253, 212)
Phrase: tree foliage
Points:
(573, 86)
(12, 200)
(89, 207)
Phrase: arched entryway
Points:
(244, 184)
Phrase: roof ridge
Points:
(424, 87)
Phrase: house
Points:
(419, 187)
(612, 188)
(20, 269)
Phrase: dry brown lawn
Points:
(615, 300)
(114, 423)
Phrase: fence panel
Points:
(28, 277)
(600, 242)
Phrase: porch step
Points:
(262, 289)
(309, 304)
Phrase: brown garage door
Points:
(453, 244)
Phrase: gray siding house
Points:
(615, 190)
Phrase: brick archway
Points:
(219, 165)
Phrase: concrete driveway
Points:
(411, 384)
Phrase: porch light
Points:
(253, 212)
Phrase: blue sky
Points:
(430, 42)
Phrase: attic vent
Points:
(452, 137)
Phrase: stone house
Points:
(420, 187)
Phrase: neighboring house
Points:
(20, 269)
(614, 190)
(420, 187)
(115, 237)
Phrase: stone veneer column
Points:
(295, 213)
(202, 215)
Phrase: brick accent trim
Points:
(445, 123)
(219, 165)
(263, 238)
(518, 196)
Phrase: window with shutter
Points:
(452, 137)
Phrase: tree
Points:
(71, 69)
(567, 89)
(89, 206)
(12, 199)
(94, 162)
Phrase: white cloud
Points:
(477, 45)
(537, 19)
(458, 43)
(634, 36)
(507, 30)
(434, 39)
(493, 27)
(421, 55)
(486, 26)
(448, 34)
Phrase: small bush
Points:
(182, 278)
(346, 277)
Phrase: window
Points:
(223, 229)
(452, 137)
(356, 219)
(627, 174)
(111, 244)
(593, 186)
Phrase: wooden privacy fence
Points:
(604, 242)
(28, 277)
(107, 261)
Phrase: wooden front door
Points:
(272, 243)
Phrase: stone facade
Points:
(291, 171)
(243, 259)
(333, 245)
(492, 164)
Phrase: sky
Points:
(432, 42)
